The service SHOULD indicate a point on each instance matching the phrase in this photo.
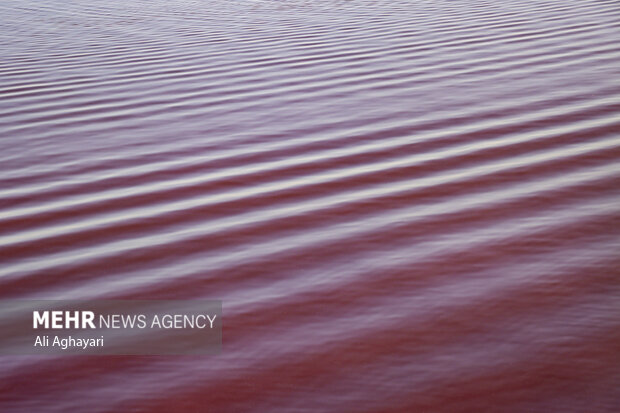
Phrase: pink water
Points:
(406, 206)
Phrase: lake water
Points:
(405, 206)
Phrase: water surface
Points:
(404, 205)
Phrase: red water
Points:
(407, 206)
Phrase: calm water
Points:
(408, 206)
